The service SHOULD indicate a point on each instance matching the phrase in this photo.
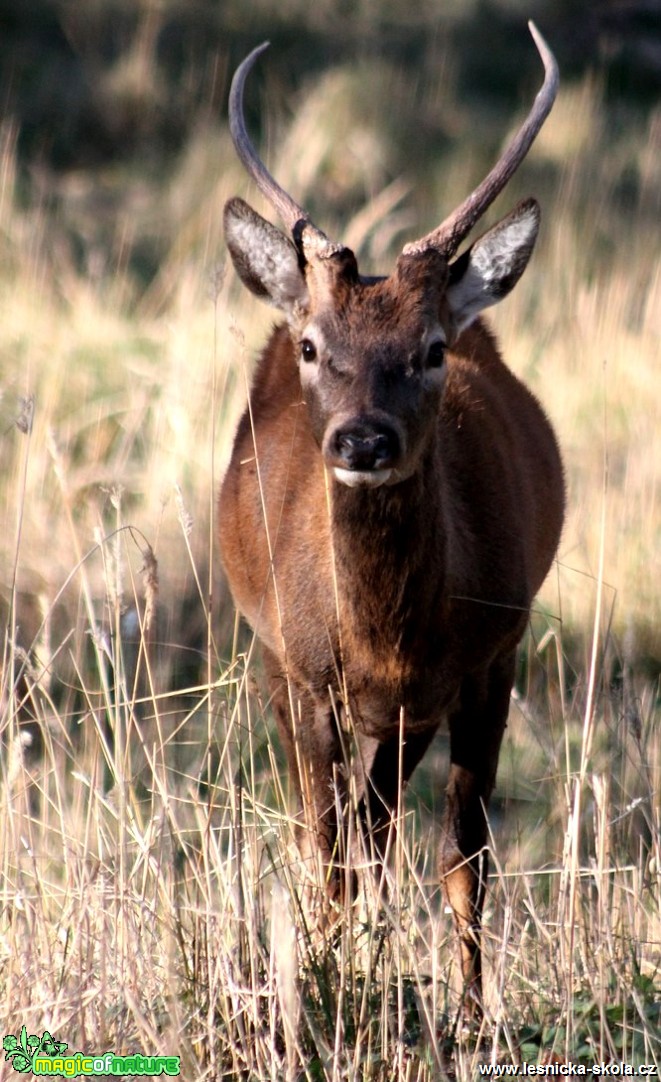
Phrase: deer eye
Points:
(308, 350)
(436, 354)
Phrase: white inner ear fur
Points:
(271, 260)
(500, 254)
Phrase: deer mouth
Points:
(363, 478)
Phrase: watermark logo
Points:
(29, 1054)
(23, 1050)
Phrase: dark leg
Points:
(312, 744)
(476, 731)
(380, 766)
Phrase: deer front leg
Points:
(382, 785)
(317, 771)
(476, 731)
(311, 740)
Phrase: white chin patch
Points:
(362, 478)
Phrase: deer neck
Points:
(389, 548)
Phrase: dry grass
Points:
(149, 898)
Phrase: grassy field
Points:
(149, 898)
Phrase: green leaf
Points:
(529, 1051)
(531, 1033)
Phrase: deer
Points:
(393, 502)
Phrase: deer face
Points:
(371, 353)
(372, 364)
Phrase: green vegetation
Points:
(149, 895)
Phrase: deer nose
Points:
(365, 446)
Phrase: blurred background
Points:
(109, 100)
(126, 348)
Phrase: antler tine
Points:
(294, 217)
(449, 234)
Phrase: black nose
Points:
(363, 446)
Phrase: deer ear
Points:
(487, 272)
(265, 260)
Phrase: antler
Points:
(312, 241)
(449, 234)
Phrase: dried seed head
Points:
(150, 572)
(26, 416)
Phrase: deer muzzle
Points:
(363, 452)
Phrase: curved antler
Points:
(312, 241)
(449, 234)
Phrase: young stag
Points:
(393, 502)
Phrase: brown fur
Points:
(400, 602)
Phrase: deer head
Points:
(371, 351)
